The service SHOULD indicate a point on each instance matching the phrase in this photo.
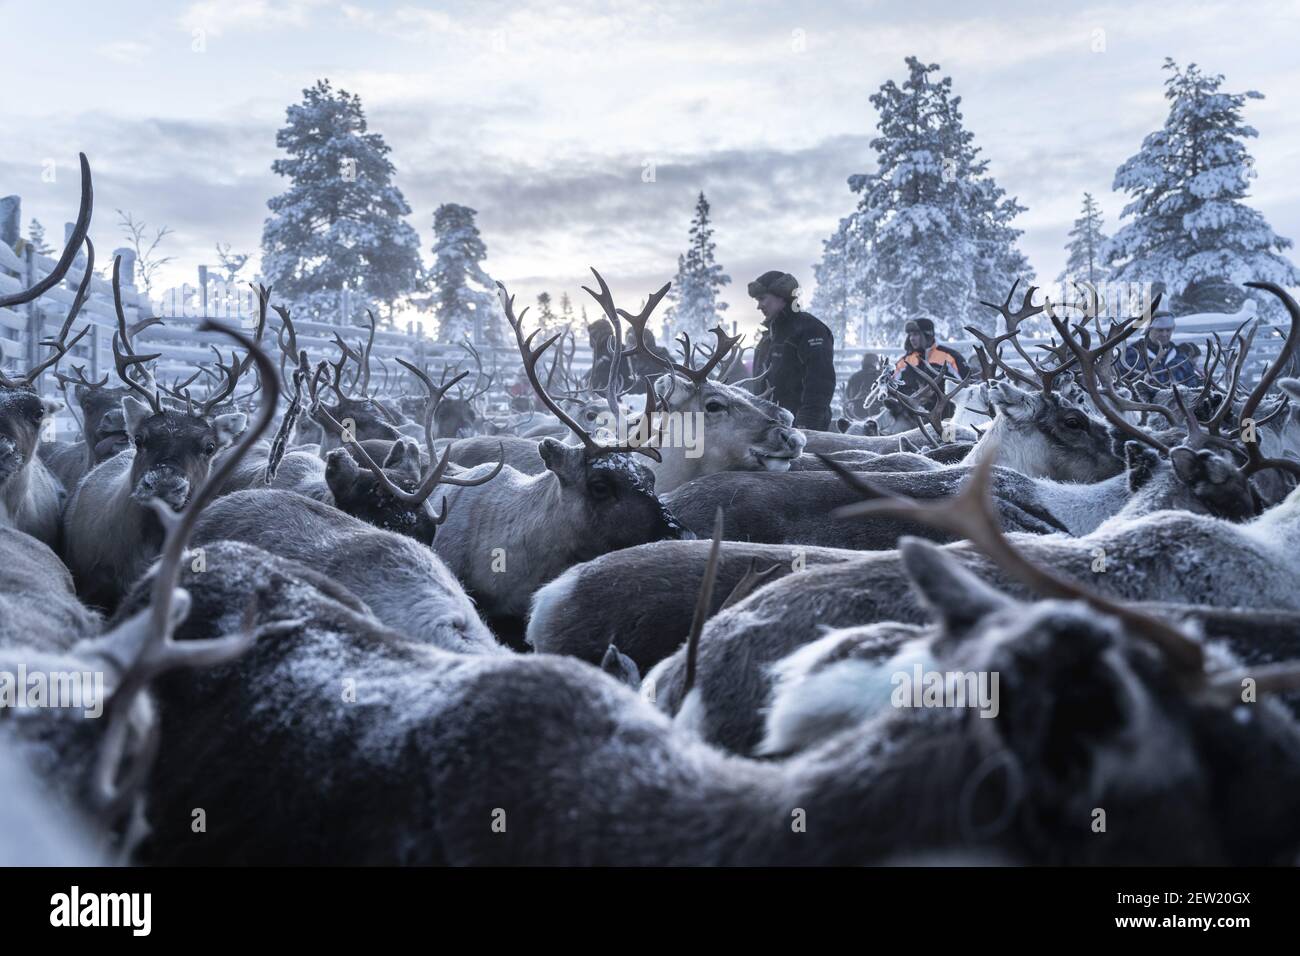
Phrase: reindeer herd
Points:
(336, 618)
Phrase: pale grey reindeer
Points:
(506, 539)
(705, 425)
(91, 756)
(31, 497)
(447, 758)
(1160, 555)
(111, 533)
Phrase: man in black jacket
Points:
(795, 353)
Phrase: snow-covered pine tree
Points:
(464, 297)
(837, 299)
(932, 231)
(693, 304)
(1084, 250)
(547, 319)
(567, 318)
(36, 236)
(1189, 228)
(340, 223)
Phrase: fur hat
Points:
(777, 283)
(1162, 320)
(924, 326)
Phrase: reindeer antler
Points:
(530, 357)
(971, 514)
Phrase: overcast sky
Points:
(543, 116)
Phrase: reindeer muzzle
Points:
(163, 484)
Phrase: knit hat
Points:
(777, 283)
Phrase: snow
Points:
(1188, 226)
(931, 234)
(693, 303)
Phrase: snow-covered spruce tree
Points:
(340, 222)
(567, 318)
(837, 300)
(36, 236)
(464, 300)
(931, 234)
(693, 304)
(548, 320)
(1189, 229)
(1084, 250)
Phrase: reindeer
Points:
(111, 531)
(103, 429)
(363, 414)
(444, 742)
(591, 499)
(98, 767)
(31, 498)
(462, 415)
(738, 430)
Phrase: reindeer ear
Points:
(50, 406)
(1141, 463)
(401, 452)
(134, 413)
(567, 461)
(673, 389)
(956, 598)
(620, 667)
(1291, 386)
(229, 427)
(871, 427)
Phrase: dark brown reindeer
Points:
(395, 495)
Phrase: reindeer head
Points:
(740, 431)
(103, 424)
(174, 450)
(612, 497)
(360, 493)
(23, 413)
(1042, 435)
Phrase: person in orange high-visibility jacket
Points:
(921, 346)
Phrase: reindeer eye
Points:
(210, 449)
(139, 441)
(1073, 422)
(713, 405)
(600, 488)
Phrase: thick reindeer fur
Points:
(508, 537)
(38, 604)
(38, 830)
(797, 508)
(737, 432)
(574, 616)
(31, 497)
(403, 583)
(825, 443)
(433, 757)
(1042, 436)
(1158, 556)
(109, 537)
